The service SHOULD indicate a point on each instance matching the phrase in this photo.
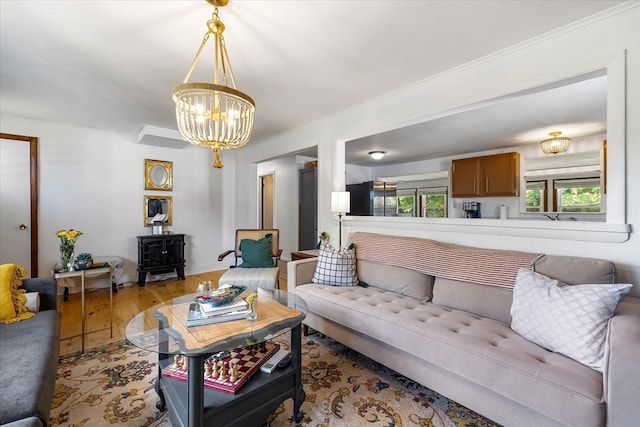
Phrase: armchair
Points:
(259, 267)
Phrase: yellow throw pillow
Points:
(12, 300)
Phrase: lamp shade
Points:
(340, 201)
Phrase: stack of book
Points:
(206, 313)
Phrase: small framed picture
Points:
(158, 208)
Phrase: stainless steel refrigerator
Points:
(373, 198)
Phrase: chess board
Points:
(247, 361)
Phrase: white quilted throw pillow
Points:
(567, 319)
(335, 267)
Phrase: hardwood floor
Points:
(127, 302)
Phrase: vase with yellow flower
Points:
(251, 300)
(68, 240)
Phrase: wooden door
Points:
(465, 177)
(266, 198)
(19, 201)
(501, 174)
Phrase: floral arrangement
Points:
(324, 237)
(68, 240)
(68, 236)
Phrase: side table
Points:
(82, 274)
(311, 253)
(162, 253)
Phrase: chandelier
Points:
(214, 115)
(556, 144)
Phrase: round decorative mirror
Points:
(158, 175)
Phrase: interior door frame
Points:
(34, 191)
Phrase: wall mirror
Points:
(158, 175)
(422, 195)
(154, 205)
(572, 183)
(584, 106)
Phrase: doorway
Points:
(19, 201)
(266, 201)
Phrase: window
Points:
(536, 196)
(577, 195)
(407, 202)
(433, 202)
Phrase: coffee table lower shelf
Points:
(251, 406)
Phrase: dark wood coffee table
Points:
(162, 329)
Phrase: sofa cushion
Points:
(30, 351)
(480, 350)
(483, 300)
(575, 270)
(395, 279)
(568, 319)
(336, 267)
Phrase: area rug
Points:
(114, 385)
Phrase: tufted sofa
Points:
(29, 352)
(454, 336)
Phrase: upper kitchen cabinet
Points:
(487, 176)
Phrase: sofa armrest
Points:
(300, 272)
(47, 288)
(622, 373)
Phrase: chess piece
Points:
(208, 368)
(233, 375)
(223, 373)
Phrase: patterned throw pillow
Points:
(336, 267)
(566, 319)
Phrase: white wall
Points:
(93, 180)
(573, 50)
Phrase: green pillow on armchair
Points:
(256, 253)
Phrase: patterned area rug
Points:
(113, 385)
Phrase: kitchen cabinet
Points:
(497, 175)
(162, 253)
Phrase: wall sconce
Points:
(340, 204)
(377, 155)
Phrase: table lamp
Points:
(340, 204)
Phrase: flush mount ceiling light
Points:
(214, 115)
(377, 155)
(556, 144)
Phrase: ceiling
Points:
(112, 64)
(577, 109)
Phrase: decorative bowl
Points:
(223, 295)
